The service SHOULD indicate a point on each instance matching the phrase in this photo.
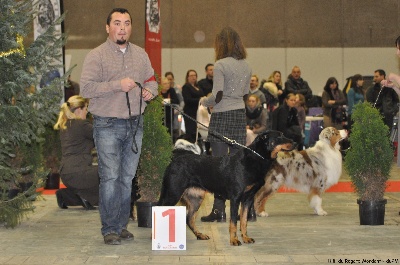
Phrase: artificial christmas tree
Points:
(24, 109)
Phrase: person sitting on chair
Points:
(285, 120)
(256, 118)
(77, 172)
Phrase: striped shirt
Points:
(103, 69)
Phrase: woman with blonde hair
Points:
(77, 172)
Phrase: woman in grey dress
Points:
(231, 83)
(77, 172)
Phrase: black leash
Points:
(222, 137)
(134, 143)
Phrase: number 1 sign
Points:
(168, 228)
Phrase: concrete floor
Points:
(292, 234)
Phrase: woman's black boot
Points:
(215, 215)
(86, 204)
(60, 200)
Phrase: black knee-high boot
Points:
(218, 212)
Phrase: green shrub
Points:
(156, 153)
(369, 159)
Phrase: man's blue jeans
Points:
(117, 167)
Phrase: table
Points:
(313, 127)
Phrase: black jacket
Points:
(298, 86)
(386, 103)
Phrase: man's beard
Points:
(121, 42)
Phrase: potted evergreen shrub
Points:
(156, 155)
(368, 162)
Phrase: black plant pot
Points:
(372, 212)
(52, 181)
(144, 213)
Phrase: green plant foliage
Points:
(369, 160)
(156, 153)
(25, 109)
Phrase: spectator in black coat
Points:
(285, 120)
(295, 84)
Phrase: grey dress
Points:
(77, 172)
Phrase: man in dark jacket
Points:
(385, 99)
(206, 84)
(296, 85)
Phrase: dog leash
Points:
(224, 138)
(376, 101)
(134, 144)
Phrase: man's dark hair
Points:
(381, 72)
(118, 10)
(209, 64)
(169, 73)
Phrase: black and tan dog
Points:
(236, 178)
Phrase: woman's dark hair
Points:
(354, 80)
(228, 44)
(117, 10)
(329, 82)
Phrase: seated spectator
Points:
(77, 172)
(272, 90)
(284, 119)
(169, 96)
(254, 90)
(333, 101)
(256, 118)
(295, 84)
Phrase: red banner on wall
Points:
(153, 34)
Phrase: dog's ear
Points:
(270, 139)
(327, 133)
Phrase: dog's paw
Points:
(263, 214)
(248, 240)
(201, 236)
(320, 212)
(235, 242)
